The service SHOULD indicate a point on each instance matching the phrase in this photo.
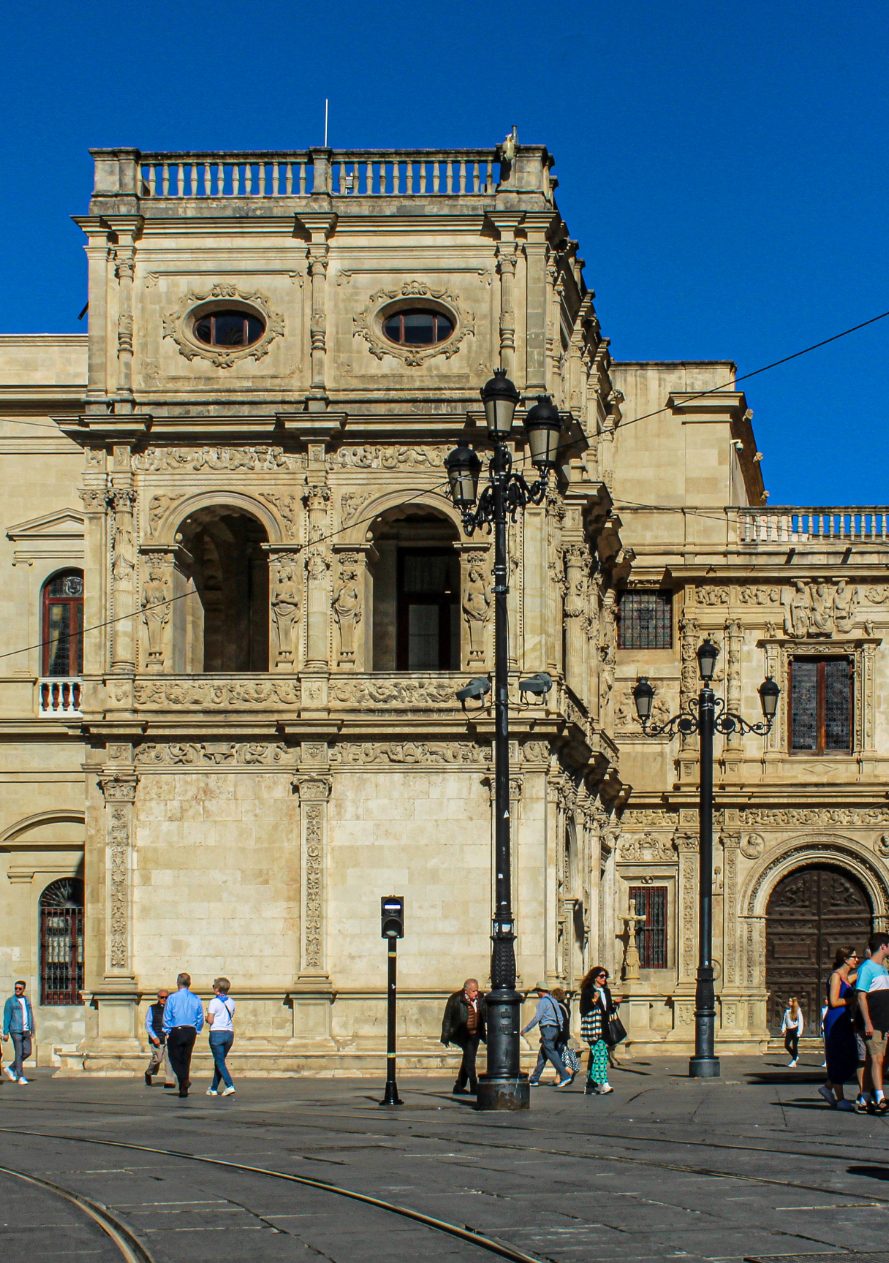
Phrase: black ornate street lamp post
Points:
(705, 715)
(503, 1086)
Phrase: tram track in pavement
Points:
(460, 1232)
(130, 1248)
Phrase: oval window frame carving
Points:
(179, 325)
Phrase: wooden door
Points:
(811, 913)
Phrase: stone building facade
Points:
(234, 485)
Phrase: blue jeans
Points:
(220, 1043)
(22, 1044)
(549, 1036)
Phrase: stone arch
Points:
(175, 514)
(361, 532)
(817, 848)
(20, 832)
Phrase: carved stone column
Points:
(506, 266)
(320, 228)
(537, 300)
(123, 566)
(689, 685)
(127, 229)
(317, 501)
(313, 789)
(476, 608)
(687, 945)
(576, 600)
(733, 683)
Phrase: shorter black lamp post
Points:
(706, 715)
(503, 1087)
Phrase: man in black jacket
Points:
(154, 1027)
(464, 1025)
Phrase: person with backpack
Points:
(220, 1019)
(566, 1052)
(549, 1017)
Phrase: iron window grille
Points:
(61, 942)
(651, 934)
(645, 620)
(821, 705)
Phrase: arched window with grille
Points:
(61, 942)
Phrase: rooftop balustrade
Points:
(341, 173)
(821, 525)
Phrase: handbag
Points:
(615, 1031)
(570, 1059)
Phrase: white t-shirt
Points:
(26, 1025)
(223, 1010)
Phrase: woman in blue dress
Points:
(839, 1033)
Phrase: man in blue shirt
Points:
(183, 1018)
(548, 1017)
(18, 1021)
(873, 1013)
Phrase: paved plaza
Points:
(752, 1166)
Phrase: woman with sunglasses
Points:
(839, 1031)
(595, 1006)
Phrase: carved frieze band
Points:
(119, 790)
(232, 694)
(212, 753)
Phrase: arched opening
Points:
(61, 942)
(225, 627)
(415, 577)
(62, 624)
(811, 912)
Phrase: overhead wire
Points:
(297, 547)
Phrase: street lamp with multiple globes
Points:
(503, 1086)
(706, 715)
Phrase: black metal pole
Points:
(502, 1087)
(391, 1097)
(705, 1064)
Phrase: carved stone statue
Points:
(155, 614)
(285, 611)
(844, 601)
(347, 611)
(476, 610)
(798, 614)
(822, 609)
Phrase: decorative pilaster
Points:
(687, 846)
(317, 501)
(506, 266)
(576, 603)
(122, 502)
(119, 791)
(733, 681)
(313, 789)
(319, 227)
(475, 593)
(127, 229)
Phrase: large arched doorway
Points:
(811, 913)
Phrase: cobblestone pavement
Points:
(752, 1166)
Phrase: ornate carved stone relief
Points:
(221, 459)
(752, 846)
(476, 605)
(346, 605)
(235, 694)
(646, 848)
(215, 753)
(778, 816)
(819, 608)
(389, 457)
(410, 693)
(419, 753)
(177, 327)
(368, 324)
(285, 607)
(155, 614)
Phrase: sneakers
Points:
(10, 1073)
(229, 1092)
(605, 1089)
(565, 1083)
(212, 1092)
(793, 1063)
(22, 1079)
(825, 1092)
(533, 1083)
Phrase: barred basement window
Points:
(645, 620)
(821, 698)
(651, 934)
(61, 942)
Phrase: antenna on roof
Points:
(326, 103)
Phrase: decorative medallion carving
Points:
(753, 846)
(177, 327)
(368, 324)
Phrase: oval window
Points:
(418, 327)
(229, 327)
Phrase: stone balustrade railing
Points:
(342, 173)
(58, 696)
(861, 524)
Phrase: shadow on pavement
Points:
(873, 1173)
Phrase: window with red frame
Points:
(62, 633)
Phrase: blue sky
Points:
(722, 165)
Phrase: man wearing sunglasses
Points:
(18, 1021)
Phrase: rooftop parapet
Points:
(127, 177)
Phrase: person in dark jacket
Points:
(596, 1004)
(154, 1027)
(464, 1025)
